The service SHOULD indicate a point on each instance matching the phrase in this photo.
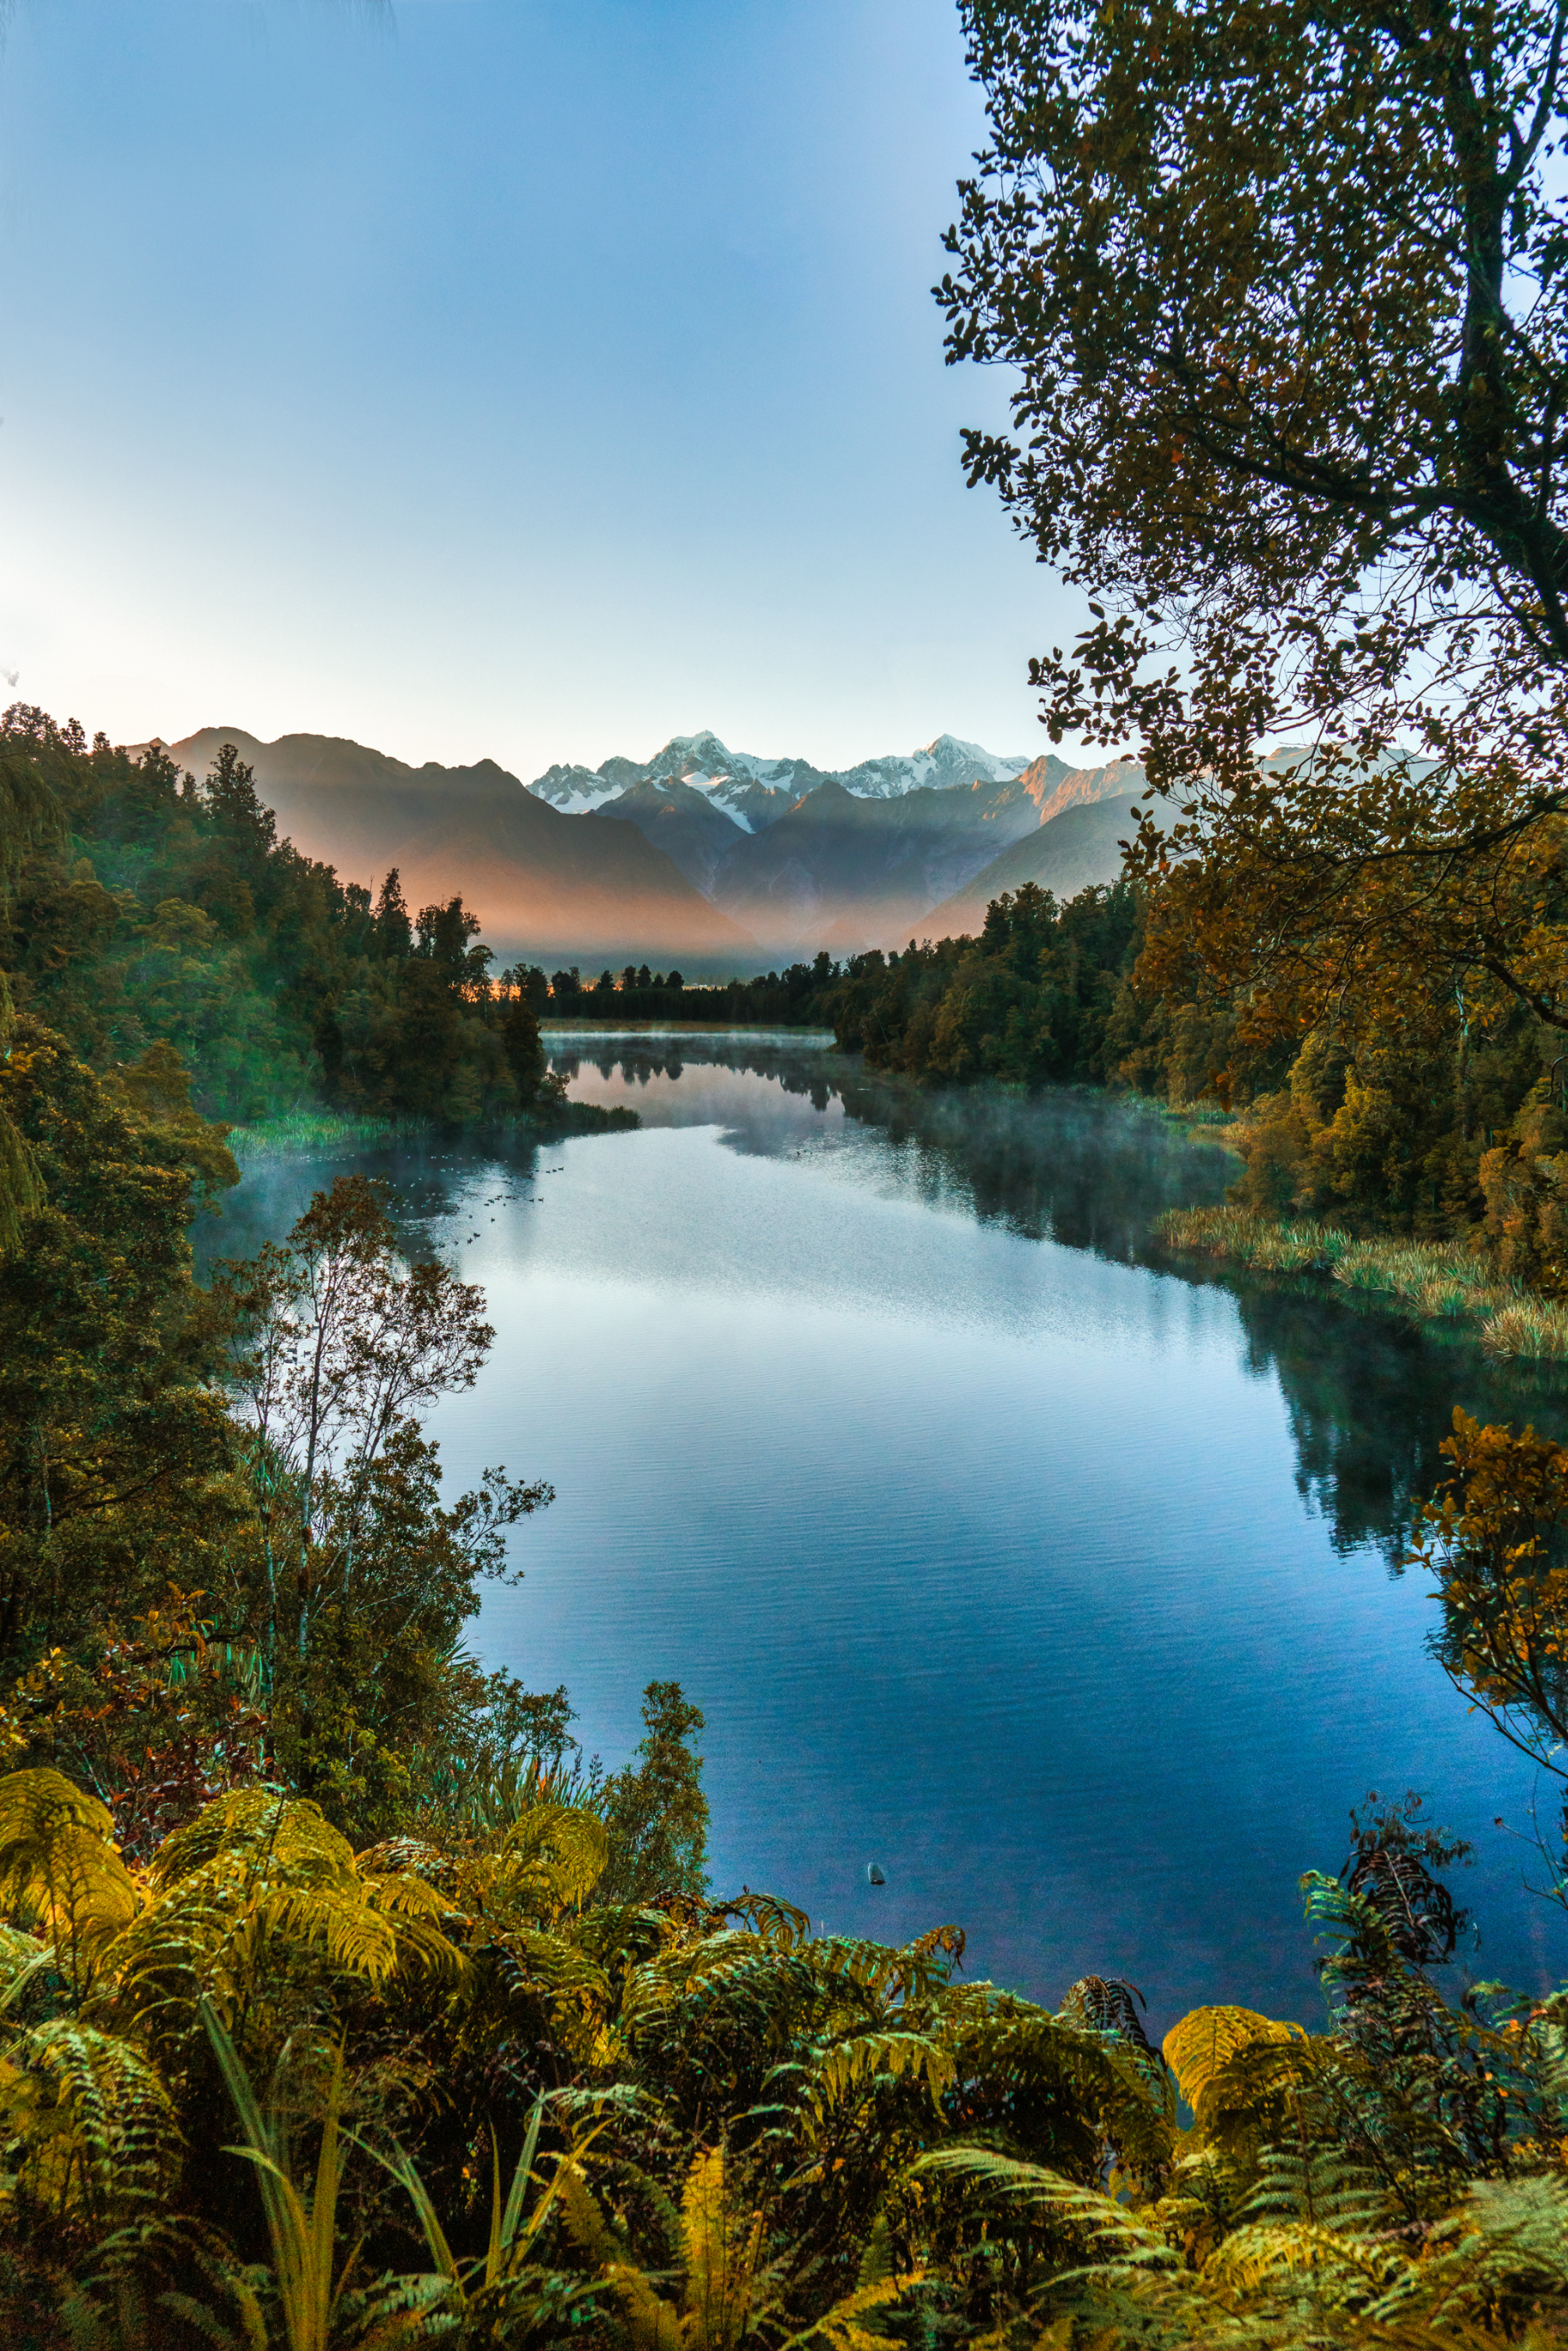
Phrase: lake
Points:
(1058, 1577)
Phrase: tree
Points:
(363, 1577)
(393, 927)
(1285, 283)
(231, 800)
(444, 932)
(530, 981)
(656, 1811)
(525, 1048)
(114, 1447)
(336, 1346)
(1495, 1538)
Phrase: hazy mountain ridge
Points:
(843, 871)
(828, 865)
(715, 859)
(1079, 847)
(542, 882)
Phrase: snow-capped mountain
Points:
(756, 791)
(948, 761)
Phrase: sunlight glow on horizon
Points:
(514, 388)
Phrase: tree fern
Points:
(553, 1856)
(1003, 2180)
(255, 1871)
(849, 2068)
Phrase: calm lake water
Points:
(1053, 1575)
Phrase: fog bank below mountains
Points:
(722, 862)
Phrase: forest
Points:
(800, 997)
(1453, 1131)
(155, 919)
(343, 2002)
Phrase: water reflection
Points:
(993, 1542)
(1370, 1395)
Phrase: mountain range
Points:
(720, 859)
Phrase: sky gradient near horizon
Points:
(474, 377)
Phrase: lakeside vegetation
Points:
(1431, 1281)
(346, 2003)
(342, 2002)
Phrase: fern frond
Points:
(1517, 2229)
(257, 1869)
(651, 2323)
(722, 2250)
(774, 1920)
(1317, 2184)
(730, 1985)
(1096, 2092)
(1247, 2260)
(1199, 2048)
(853, 2065)
(555, 1854)
(838, 2323)
(59, 1866)
(876, 2262)
(618, 1932)
(589, 2232)
(246, 1822)
(1088, 2209)
(92, 2126)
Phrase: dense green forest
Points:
(149, 913)
(1446, 1130)
(802, 997)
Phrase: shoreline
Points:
(1429, 1281)
(815, 1037)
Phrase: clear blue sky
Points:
(499, 379)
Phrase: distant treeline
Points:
(1434, 1133)
(800, 997)
(148, 913)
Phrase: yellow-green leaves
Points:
(1229, 2063)
(725, 2291)
(255, 1877)
(852, 2066)
(552, 1857)
(58, 1862)
(91, 2124)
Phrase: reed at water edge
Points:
(1434, 1279)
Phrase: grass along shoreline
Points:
(1434, 1281)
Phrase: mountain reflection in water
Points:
(1048, 1571)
